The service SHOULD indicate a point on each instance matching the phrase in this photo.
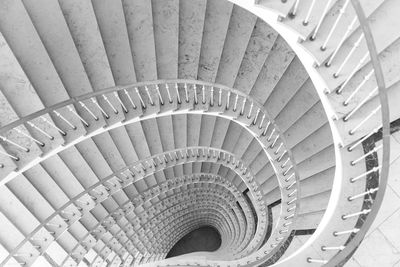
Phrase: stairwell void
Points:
(202, 239)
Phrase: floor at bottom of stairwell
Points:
(381, 246)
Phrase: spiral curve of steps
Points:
(127, 124)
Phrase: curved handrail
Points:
(354, 242)
(257, 118)
(220, 155)
(177, 182)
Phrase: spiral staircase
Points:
(125, 125)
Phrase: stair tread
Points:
(216, 23)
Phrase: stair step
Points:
(317, 163)
(47, 186)
(313, 119)
(317, 183)
(261, 41)
(16, 212)
(206, 134)
(279, 58)
(139, 23)
(308, 14)
(309, 220)
(167, 139)
(216, 24)
(37, 66)
(191, 23)
(110, 19)
(291, 81)
(277, 6)
(314, 47)
(54, 33)
(10, 235)
(314, 203)
(383, 39)
(109, 151)
(390, 67)
(56, 168)
(315, 142)
(40, 208)
(16, 87)
(8, 164)
(302, 101)
(166, 31)
(237, 39)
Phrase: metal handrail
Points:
(255, 107)
(242, 171)
(220, 182)
(354, 242)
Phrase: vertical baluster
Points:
(307, 18)
(320, 20)
(341, 12)
(339, 45)
(355, 45)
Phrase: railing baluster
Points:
(195, 93)
(130, 98)
(339, 45)
(354, 162)
(120, 102)
(355, 230)
(53, 125)
(371, 191)
(374, 169)
(148, 95)
(94, 101)
(77, 115)
(186, 93)
(65, 120)
(110, 104)
(159, 94)
(365, 79)
(364, 120)
(307, 18)
(5, 139)
(29, 136)
(140, 98)
(178, 97)
(40, 130)
(341, 12)
(363, 212)
(343, 85)
(372, 93)
(346, 59)
(311, 260)
(9, 155)
(228, 100)
(295, 7)
(321, 19)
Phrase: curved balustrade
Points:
(128, 226)
(160, 245)
(214, 99)
(176, 185)
(115, 218)
(86, 200)
(347, 48)
(343, 51)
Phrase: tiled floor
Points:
(381, 246)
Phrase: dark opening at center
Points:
(202, 239)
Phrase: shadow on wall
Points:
(202, 239)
